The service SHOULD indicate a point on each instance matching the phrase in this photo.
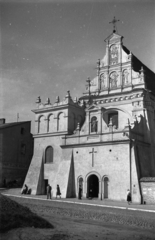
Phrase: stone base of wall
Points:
(148, 190)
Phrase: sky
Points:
(48, 47)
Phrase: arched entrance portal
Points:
(92, 186)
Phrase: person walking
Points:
(25, 189)
(128, 196)
(49, 189)
(58, 193)
(80, 193)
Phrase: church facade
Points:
(105, 140)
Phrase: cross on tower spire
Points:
(114, 24)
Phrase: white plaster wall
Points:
(114, 164)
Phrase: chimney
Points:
(2, 121)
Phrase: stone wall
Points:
(148, 190)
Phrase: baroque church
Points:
(103, 142)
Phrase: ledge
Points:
(147, 179)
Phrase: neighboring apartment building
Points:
(16, 150)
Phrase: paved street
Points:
(80, 221)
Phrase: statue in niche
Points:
(113, 79)
(102, 81)
(125, 77)
(94, 124)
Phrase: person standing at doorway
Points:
(128, 196)
(58, 193)
(49, 189)
(80, 193)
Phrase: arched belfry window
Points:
(93, 124)
(49, 155)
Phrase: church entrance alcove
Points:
(92, 186)
(106, 180)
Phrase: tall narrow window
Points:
(22, 131)
(114, 118)
(49, 155)
(61, 122)
(94, 124)
(51, 122)
(41, 124)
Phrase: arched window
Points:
(51, 123)
(94, 124)
(41, 124)
(61, 122)
(81, 182)
(49, 155)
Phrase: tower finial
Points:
(114, 24)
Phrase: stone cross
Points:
(114, 24)
(93, 156)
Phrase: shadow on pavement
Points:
(14, 215)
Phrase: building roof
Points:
(6, 125)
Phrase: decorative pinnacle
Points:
(57, 99)
(38, 100)
(114, 24)
(47, 101)
(75, 99)
(68, 94)
(98, 66)
(98, 63)
(88, 81)
(78, 126)
(142, 69)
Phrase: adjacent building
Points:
(16, 150)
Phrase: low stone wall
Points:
(148, 190)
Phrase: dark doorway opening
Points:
(92, 186)
(46, 183)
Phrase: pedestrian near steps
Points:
(128, 196)
(49, 189)
(80, 193)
